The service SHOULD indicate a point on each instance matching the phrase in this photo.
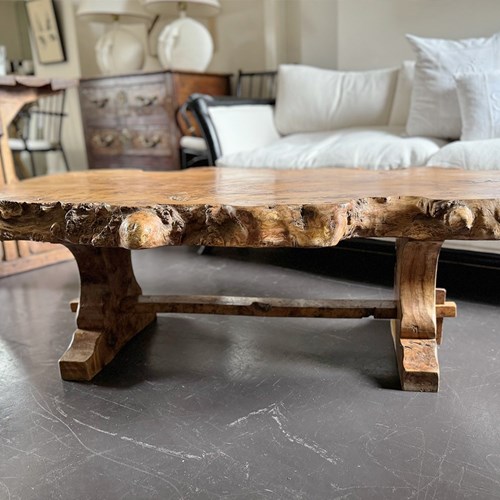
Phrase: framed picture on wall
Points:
(45, 31)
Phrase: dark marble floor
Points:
(242, 408)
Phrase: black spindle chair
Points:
(38, 128)
(249, 85)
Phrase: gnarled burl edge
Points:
(306, 225)
(251, 207)
(100, 215)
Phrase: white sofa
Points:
(366, 129)
(383, 119)
(413, 115)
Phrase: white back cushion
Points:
(402, 96)
(434, 107)
(243, 127)
(313, 100)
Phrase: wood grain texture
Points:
(185, 84)
(251, 207)
(130, 120)
(417, 363)
(415, 328)
(440, 299)
(270, 307)
(107, 278)
(263, 306)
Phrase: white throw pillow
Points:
(313, 100)
(479, 98)
(243, 127)
(402, 96)
(434, 107)
(470, 155)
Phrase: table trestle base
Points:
(112, 309)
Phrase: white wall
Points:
(240, 40)
(261, 34)
(14, 30)
(312, 32)
(371, 32)
(364, 34)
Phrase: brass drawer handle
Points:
(146, 101)
(100, 103)
(125, 136)
(149, 142)
(103, 140)
(121, 98)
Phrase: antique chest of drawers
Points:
(130, 120)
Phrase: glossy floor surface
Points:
(207, 407)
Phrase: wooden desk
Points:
(101, 215)
(15, 92)
(130, 120)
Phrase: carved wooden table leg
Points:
(107, 278)
(414, 331)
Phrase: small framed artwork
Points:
(45, 31)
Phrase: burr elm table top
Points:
(251, 207)
(253, 187)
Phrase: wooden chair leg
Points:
(65, 159)
(32, 163)
(415, 329)
(107, 278)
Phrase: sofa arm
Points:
(213, 128)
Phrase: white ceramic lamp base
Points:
(185, 45)
(119, 51)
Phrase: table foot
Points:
(415, 330)
(107, 278)
(418, 365)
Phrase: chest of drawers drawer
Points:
(145, 140)
(130, 120)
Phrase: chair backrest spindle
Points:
(39, 127)
(256, 84)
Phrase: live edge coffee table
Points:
(100, 215)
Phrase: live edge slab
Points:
(100, 215)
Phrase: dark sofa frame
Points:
(199, 105)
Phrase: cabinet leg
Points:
(106, 278)
(414, 331)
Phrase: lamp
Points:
(184, 44)
(118, 50)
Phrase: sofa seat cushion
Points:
(378, 148)
(471, 155)
(32, 144)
